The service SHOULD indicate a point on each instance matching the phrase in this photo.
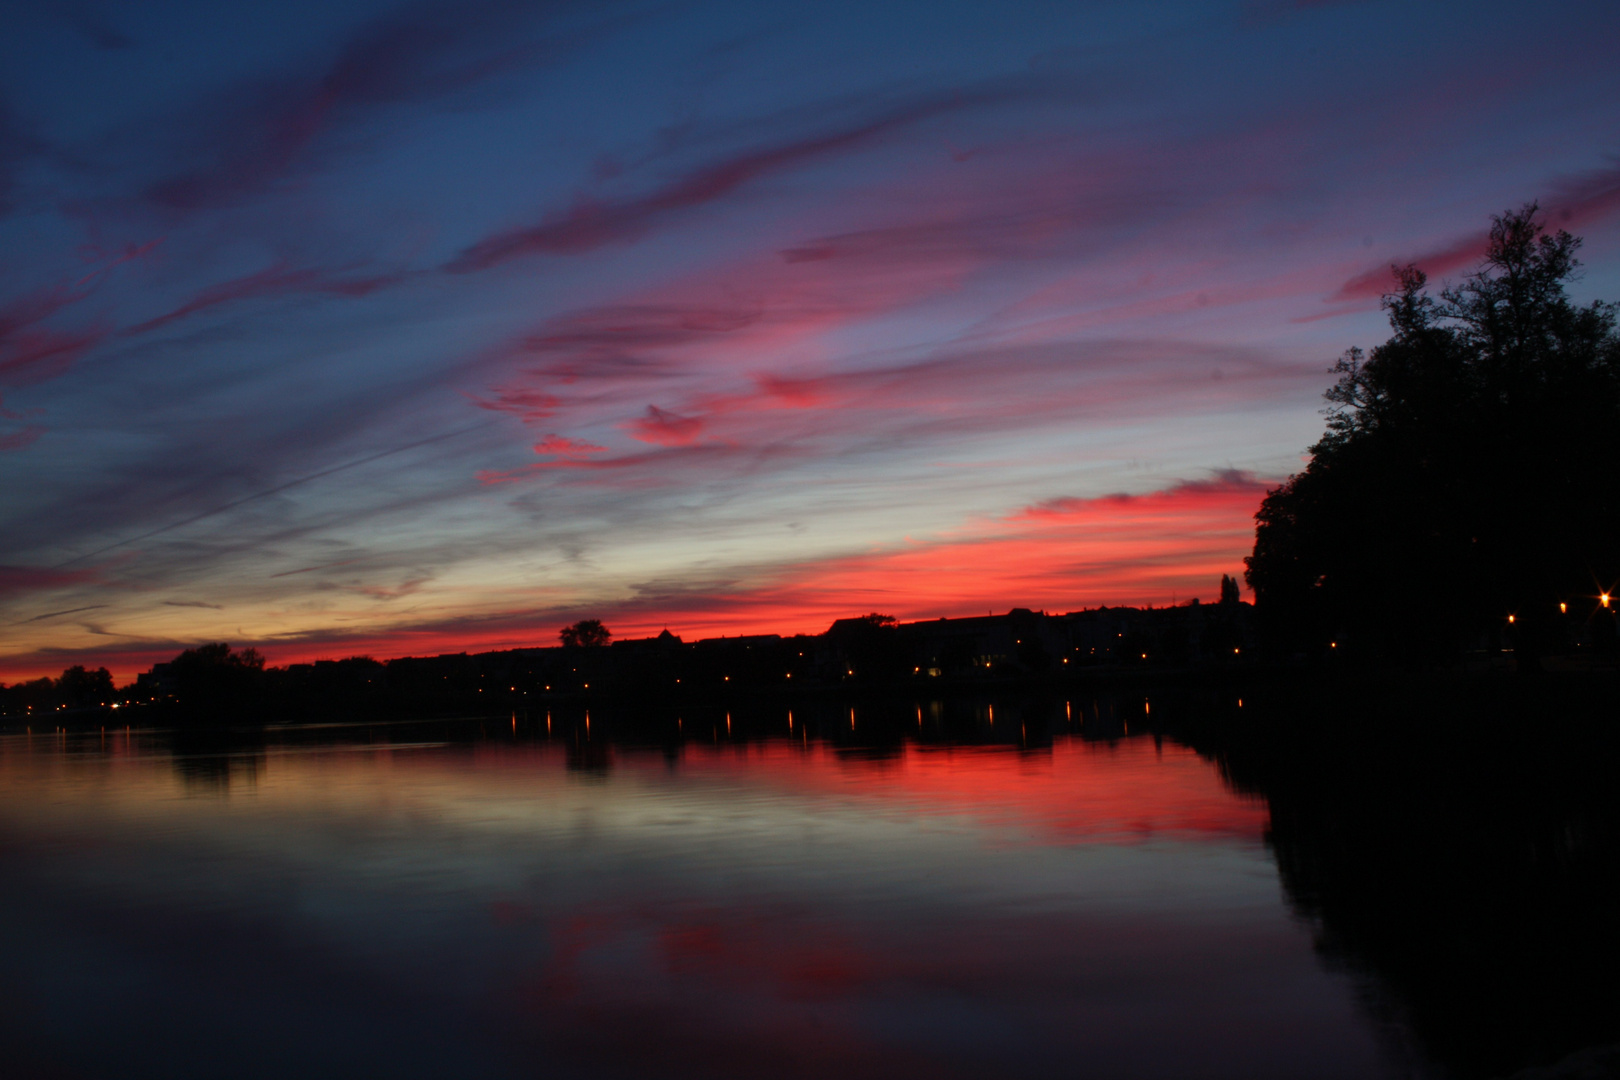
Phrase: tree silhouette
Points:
(587, 633)
(79, 687)
(212, 681)
(1463, 476)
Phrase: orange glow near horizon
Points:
(1118, 550)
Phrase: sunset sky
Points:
(337, 328)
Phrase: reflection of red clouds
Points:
(1076, 792)
(1122, 792)
(810, 974)
(796, 967)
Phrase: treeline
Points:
(1463, 495)
(214, 683)
(78, 688)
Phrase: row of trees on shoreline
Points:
(864, 653)
(1464, 491)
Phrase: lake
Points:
(490, 898)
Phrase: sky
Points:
(375, 328)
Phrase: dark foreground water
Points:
(493, 900)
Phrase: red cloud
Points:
(1375, 283)
(32, 353)
(665, 428)
(272, 281)
(1233, 483)
(530, 405)
(750, 356)
(567, 448)
(1583, 200)
(258, 132)
(19, 440)
(37, 355)
(595, 223)
(15, 580)
(801, 393)
(1057, 555)
(648, 463)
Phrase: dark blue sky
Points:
(351, 327)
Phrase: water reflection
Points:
(1458, 850)
(1017, 888)
(213, 762)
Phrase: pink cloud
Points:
(19, 440)
(16, 580)
(652, 468)
(1225, 484)
(594, 223)
(1375, 283)
(127, 254)
(36, 307)
(275, 280)
(531, 406)
(259, 130)
(38, 355)
(31, 352)
(665, 428)
(791, 419)
(1589, 199)
(567, 448)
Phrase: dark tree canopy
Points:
(80, 687)
(1467, 470)
(587, 633)
(215, 677)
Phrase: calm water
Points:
(481, 902)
